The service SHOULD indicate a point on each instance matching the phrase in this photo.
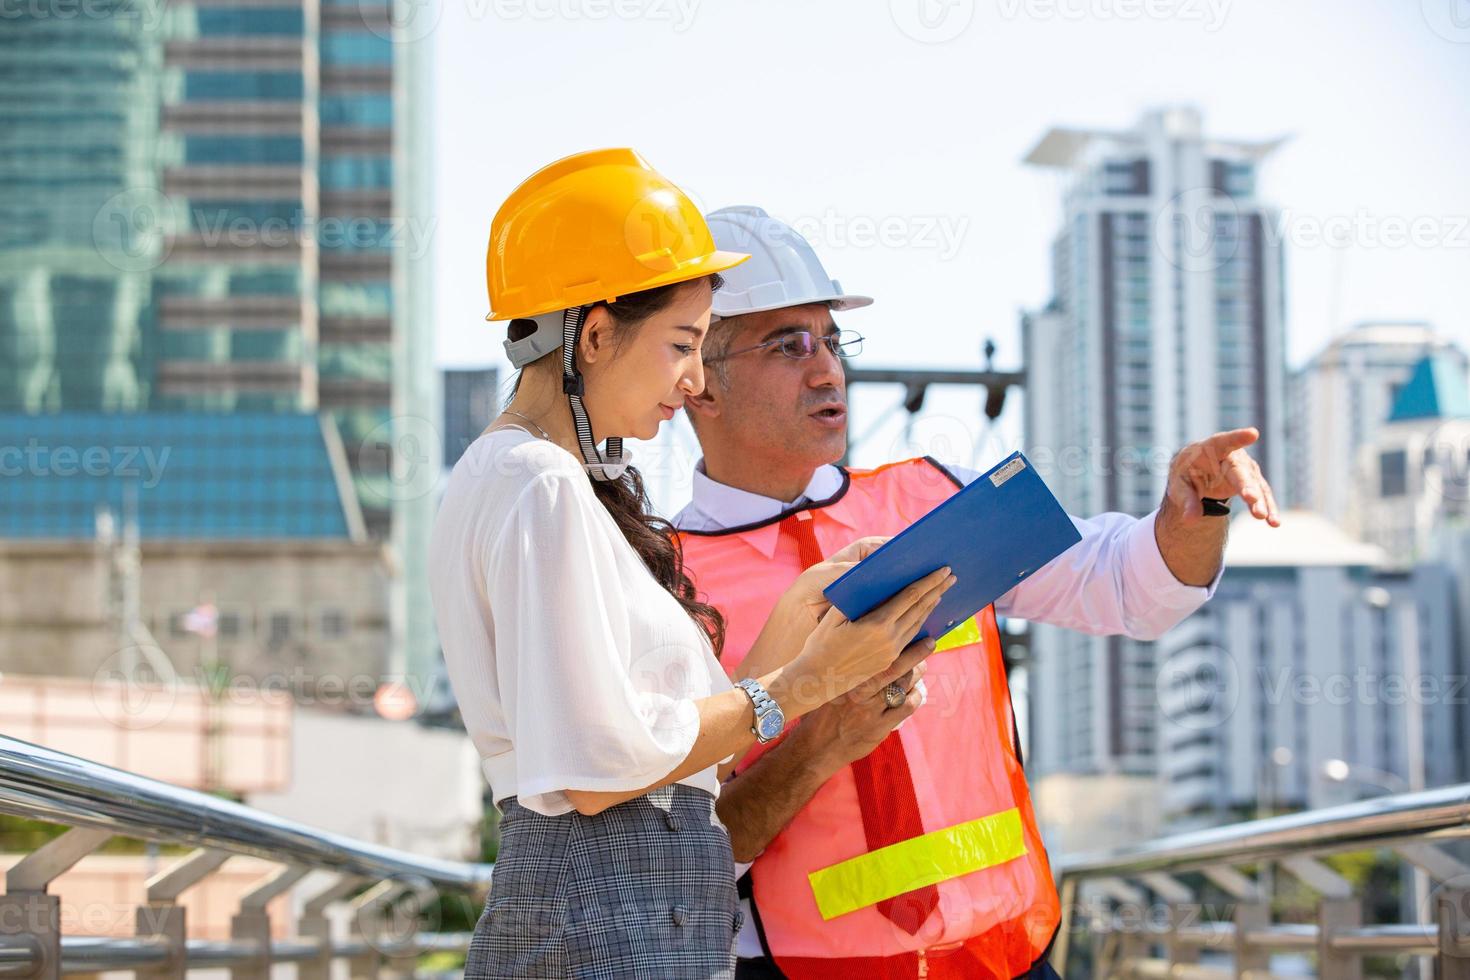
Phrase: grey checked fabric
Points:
(643, 889)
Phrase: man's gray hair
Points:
(717, 342)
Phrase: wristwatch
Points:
(770, 721)
(1215, 507)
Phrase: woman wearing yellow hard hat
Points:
(583, 662)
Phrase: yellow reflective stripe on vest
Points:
(962, 635)
(938, 856)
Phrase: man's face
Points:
(780, 405)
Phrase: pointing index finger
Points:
(1227, 442)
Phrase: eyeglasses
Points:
(802, 344)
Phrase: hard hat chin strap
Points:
(600, 467)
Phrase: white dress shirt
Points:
(572, 666)
(1112, 581)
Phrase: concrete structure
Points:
(1165, 326)
(1312, 650)
(1338, 402)
(341, 763)
(114, 526)
(164, 726)
(1088, 814)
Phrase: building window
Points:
(231, 624)
(356, 48)
(217, 21)
(243, 149)
(332, 623)
(367, 109)
(278, 630)
(243, 85)
(1393, 473)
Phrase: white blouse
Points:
(572, 666)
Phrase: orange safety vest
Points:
(816, 886)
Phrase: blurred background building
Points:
(471, 401)
(1316, 660)
(1301, 683)
(216, 209)
(220, 424)
(1165, 326)
(1338, 401)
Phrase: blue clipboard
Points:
(992, 534)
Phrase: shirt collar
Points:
(726, 506)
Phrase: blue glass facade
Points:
(235, 86)
(190, 475)
(250, 21)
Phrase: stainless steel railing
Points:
(1144, 921)
(385, 888)
(1166, 940)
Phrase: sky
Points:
(911, 118)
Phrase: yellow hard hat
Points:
(589, 228)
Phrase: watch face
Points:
(771, 723)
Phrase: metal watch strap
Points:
(759, 699)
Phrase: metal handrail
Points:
(94, 954)
(1434, 813)
(55, 787)
(1425, 816)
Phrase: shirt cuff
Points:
(1152, 573)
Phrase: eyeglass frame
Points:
(833, 342)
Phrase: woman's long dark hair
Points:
(626, 498)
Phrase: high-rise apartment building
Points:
(1165, 326)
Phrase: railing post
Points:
(1453, 959)
(1068, 896)
(1129, 922)
(1250, 916)
(160, 917)
(253, 922)
(315, 925)
(28, 911)
(406, 915)
(368, 913)
(1179, 898)
(1334, 915)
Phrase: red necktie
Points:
(885, 788)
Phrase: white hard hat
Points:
(782, 271)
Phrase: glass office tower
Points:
(205, 207)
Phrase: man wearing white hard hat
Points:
(880, 851)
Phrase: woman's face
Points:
(638, 380)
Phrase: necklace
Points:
(544, 434)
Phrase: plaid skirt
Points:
(643, 889)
